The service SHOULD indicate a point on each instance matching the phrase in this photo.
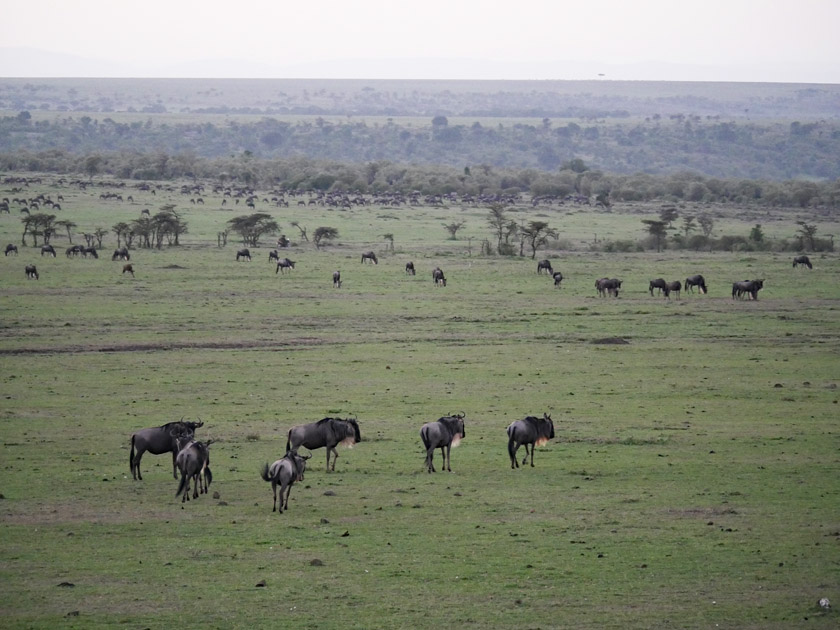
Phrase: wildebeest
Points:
(747, 287)
(409, 268)
(128, 269)
(673, 287)
(802, 260)
(370, 256)
(90, 251)
(696, 281)
(31, 272)
(48, 249)
(284, 473)
(244, 254)
(558, 278)
(659, 284)
(193, 461)
(159, 440)
(11, 248)
(531, 430)
(545, 265)
(273, 256)
(444, 433)
(325, 432)
(438, 277)
(336, 279)
(608, 286)
(121, 254)
(74, 250)
(285, 265)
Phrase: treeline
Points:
(658, 145)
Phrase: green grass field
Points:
(693, 482)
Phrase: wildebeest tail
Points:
(182, 485)
(424, 435)
(208, 476)
(131, 455)
(264, 473)
(289, 441)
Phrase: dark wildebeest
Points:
(545, 265)
(285, 265)
(31, 272)
(747, 287)
(558, 278)
(696, 281)
(159, 440)
(438, 277)
(273, 256)
(193, 461)
(673, 287)
(128, 269)
(121, 254)
(659, 284)
(90, 251)
(11, 249)
(443, 434)
(370, 256)
(284, 473)
(803, 260)
(48, 249)
(336, 279)
(74, 250)
(531, 430)
(409, 268)
(326, 432)
(608, 286)
(244, 254)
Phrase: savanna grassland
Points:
(693, 481)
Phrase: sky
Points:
(710, 40)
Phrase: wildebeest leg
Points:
(430, 459)
(274, 490)
(512, 448)
(525, 459)
(335, 457)
(174, 466)
(444, 454)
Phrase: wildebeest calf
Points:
(31, 272)
(336, 279)
(409, 268)
(193, 460)
(558, 278)
(128, 269)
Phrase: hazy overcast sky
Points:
(729, 40)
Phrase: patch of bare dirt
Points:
(170, 345)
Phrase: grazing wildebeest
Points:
(608, 286)
(558, 278)
(284, 473)
(443, 434)
(31, 272)
(244, 254)
(326, 432)
(128, 269)
(90, 251)
(48, 249)
(336, 279)
(193, 461)
(673, 287)
(545, 265)
(531, 430)
(74, 250)
(285, 265)
(747, 287)
(11, 249)
(802, 260)
(659, 284)
(121, 254)
(370, 256)
(438, 277)
(159, 440)
(409, 268)
(696, 281)
(273, 256)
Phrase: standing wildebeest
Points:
(336, 279)
(128, 269)
(531, 430)
(244, 254)
(326, 432)
(673, 287)
(409, 268)
(802, 260)
(31, 272)
(273, 256)
(285, 265)
(747, 287)
(443, 434)
(608, 286)
(438, 277)
(121, 254)
(48, 249)
(11, 249)
(545, 265)
(90, 251)
(558, 278)
(696, 281)
(370, 256)
(284, 473)
(159, 440)
(193, 460)
(659, 284)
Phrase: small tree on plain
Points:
(324, 234)
(453, 228)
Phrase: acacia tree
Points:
(453, 228)
(302, 230)
(390, 238)
(707, 224)
(324, 234)
(253, 226)
(122, 230)
(68, 225)
(807, 232)
(497, 218)
(657, 230)
(536, 234)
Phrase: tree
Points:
(707, 224)
(808, 234)
(67, 225)
(302, 231)
(757, 234)
(497, 218)
(390, 238)
(253, 226)
(324, 234)
(99, 233)
(657, 230)
(453, 228)
(38, 224)
(537, 233)
(668, 214)
(122, 230)
(688, 225)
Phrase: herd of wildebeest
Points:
(191, 458)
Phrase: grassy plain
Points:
(693, 482)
